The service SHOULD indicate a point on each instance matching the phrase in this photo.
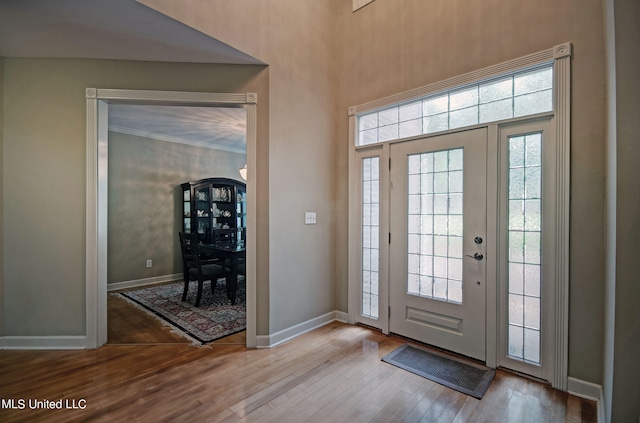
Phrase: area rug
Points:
(213, 319)
(468, 378)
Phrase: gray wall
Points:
(396, 47)
(2, 100)
(296, 39)
(44, 177)
(622, 351)
(145, 201)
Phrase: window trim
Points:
(560, 55)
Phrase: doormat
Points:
(214, 319)
(468, 378)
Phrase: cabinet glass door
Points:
(186, 210)
(202, 210)
(241, 214)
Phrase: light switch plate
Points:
(310, 218)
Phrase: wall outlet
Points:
(149, 263)
(310, 218)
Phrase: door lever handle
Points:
(476, 256)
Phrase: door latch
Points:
(475, 256)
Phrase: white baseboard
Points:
(588, 390)
(142, 282)
(342, 317)
(43, 342)
(275, 339)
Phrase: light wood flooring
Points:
(332, 374)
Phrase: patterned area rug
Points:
(214, 319)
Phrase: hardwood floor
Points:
(333, 374)
(126, 324)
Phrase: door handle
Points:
(476, 256)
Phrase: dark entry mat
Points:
(470, 379)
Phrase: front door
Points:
(437, 289)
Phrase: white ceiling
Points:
(127, 30)
(221, 128)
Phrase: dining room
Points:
(155, 153)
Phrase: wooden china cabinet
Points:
(215, 208)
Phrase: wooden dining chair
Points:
(195, 268)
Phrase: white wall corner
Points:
(590, 391)
(44, 343)
(280, 337)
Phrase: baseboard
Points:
(142, 282)
(43, 342)
(275, 339)
(342, 317)
(588, 390)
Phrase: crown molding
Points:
(176, 140)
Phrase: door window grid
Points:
(524, 236)
(520, 94)
(370, 236)
(435, 220)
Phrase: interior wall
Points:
(2, 100)
(624, 379)
(146, 200)
(45, 172)
(294, 38)
(393, 47)
(610, 210)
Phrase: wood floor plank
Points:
(333, 374)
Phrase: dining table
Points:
(232, 251)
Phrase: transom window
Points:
(516, 95)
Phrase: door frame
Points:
(560, 56)
(492, 329)
(97, 103)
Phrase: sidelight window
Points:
(370, 236)
(524, 246)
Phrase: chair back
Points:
(190, 250)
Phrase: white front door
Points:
(437, 287)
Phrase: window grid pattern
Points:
(524, 246)
(516, 95)
(435, 220)
(370, 236)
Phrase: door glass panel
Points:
(370, 235)
(435, 195)
(524, 190)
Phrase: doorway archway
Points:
(98, 101)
